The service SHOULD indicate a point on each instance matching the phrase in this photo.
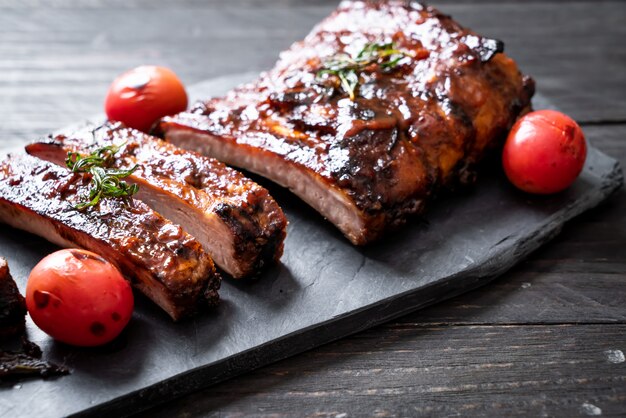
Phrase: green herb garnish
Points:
(102, 157)
(348, 68)
(106, 182)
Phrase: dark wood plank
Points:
(219, 4)
(411, 370)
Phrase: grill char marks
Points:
(160, 259)
(12, 305)
(239, 224)
(370, 163)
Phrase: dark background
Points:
(538, 341)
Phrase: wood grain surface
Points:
(543, 340)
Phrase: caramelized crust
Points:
(239, 224)
(367, 164)
(159, 258)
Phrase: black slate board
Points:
(324, 289)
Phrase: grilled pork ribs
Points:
(238, 223)
(367, 162)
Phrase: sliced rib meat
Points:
(237, 221)
(160, 258)
(369, 163)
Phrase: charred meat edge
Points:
(27, 362)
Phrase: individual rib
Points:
(158, 257)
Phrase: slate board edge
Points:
(361, 319)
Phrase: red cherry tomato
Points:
(142, 95)
(79, 298)
(544, 152)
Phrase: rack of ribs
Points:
(237, 221)
(158, 257)
(369, 162)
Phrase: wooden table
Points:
(547, 338)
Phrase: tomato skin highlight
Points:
(544, 153)
(78, 298)
(141, 96)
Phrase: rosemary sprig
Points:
(347, 68)
(105, 182)
(102, 157)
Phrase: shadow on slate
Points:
(324, 289)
